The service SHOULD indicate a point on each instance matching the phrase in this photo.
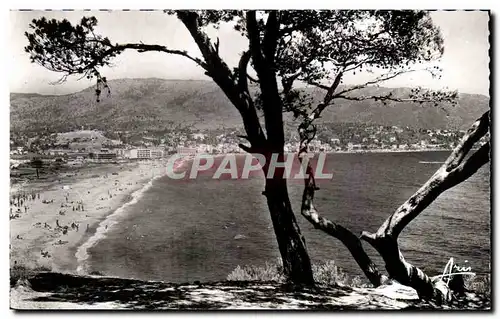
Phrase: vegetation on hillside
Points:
(155, 104)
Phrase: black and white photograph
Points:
(314, 160)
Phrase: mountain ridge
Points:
(137, 104)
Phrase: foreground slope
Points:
(63, 291)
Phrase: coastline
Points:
(106, 224)
(368, 151)
(50, 234)
(104, 196)
(348, 152)
(393, 151)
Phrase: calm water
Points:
(182, 231)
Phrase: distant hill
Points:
(153, 104)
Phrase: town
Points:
(89, 144)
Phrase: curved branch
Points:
(448, 175)
(377, 80)
(455, 170)
(351, 241)
(307, 132)
(140, 47)
(242, 71)
(417, 95)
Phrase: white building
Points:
(186, 150)
(335, 140)
(145, 153)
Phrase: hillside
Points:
(153, 104)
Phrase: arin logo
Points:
(451, 270)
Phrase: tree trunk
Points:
(458, 167)
(292, 245)
(37, 174)
(296, 262)
(407, 274)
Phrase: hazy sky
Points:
(464, 63)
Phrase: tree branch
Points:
(222, 75)
(307, 132)
(140, 47)
(272, 103)
(242, 71)
(252, 79)
(271, 35)
(377, 80)
(455, 170)
(351, 241)
(316, 113)
(254, 40)
(447, 176)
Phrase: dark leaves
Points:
(69, 49)
(317, 43)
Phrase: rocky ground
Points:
(48, 290)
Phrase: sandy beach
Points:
(50, 220)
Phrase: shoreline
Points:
(50, 234)
(338, 152)
(82, 253)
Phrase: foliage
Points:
(329, 273)
(478, 284)
(61, 47)
(271, 271)
(325, 273)
(22, 273)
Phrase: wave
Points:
(82, 253)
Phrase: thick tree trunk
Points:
(407, 274)
(296, 262)
(292, 245)
(457, 168)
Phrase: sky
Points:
(465, 62)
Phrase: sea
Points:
(201, 230)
